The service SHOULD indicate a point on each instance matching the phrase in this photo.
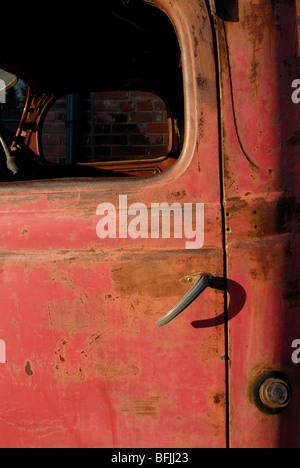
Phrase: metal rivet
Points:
(274, 393)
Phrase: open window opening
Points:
(109, 105)
(128, 129)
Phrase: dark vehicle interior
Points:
(121, 45)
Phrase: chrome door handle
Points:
(202, 282)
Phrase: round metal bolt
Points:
(275, 393)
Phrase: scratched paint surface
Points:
(261, 185)
(86, 364)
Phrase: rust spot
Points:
(94, 338)
(146, 408)
(24, 233)
(178, 195)
(196, 42)
(196, 45)
(154, 277)
(154, 283)
(113, 371)
(67, 282)
(201, 82)
(109, 297)
(62, 359)
(256, 19)
(28, 369)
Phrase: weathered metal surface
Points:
(86, 364)
(258, 62)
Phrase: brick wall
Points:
(54, 132)
(114, 126)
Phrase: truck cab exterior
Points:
(88, 270)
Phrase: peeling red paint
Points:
(86, 365)
(261, 188)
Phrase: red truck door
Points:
(85, 278)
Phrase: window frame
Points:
(180, 14)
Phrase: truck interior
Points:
(123, 45)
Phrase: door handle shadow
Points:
(237, 301)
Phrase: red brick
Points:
(58, 151)
(142, 94)
(111, 118)
(62, 140)
(145, 140)
(49, 140)
(126, 106)
(128, 151)
(51, 116)
(145, 105)
(146, 116)
(59, 104)
(166, 139)
(57, 128)
(111, 140)
(102, 128)
(128, 129)
(105, 105)
(158, 127)
(159, 105)
(157, 151)
(61, 116)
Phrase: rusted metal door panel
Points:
(258, 59)
(86, 366)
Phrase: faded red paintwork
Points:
(86, 365)
(261, 202)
